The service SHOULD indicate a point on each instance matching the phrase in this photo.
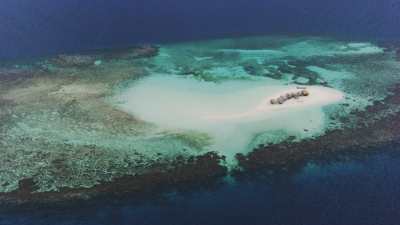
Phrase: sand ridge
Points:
(318, 96)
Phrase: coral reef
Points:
(199, 170)
(95, 58)
(73, 60)
(142, 51)
(62, 136)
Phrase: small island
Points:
(134, 120)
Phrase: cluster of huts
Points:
(283, 98)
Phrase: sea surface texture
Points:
(211, 112)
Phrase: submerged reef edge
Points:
(69, 92)
(200, 170)
(208, 169)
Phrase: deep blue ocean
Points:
(40, 27)
(354, 190)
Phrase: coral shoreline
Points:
(208, 168)
(195, 170)
(63, 138)
(363, 137)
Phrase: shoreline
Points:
(72, 89)
(231, 113)
(207, 169)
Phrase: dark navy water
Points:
(40, 27)
(355, 190)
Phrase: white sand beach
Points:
(318, 96)
(231, 112)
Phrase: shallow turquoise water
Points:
(222, 88)
(44, 139)
(80, 126)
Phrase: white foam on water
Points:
(231, 113)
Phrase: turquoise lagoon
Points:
(190, 99)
